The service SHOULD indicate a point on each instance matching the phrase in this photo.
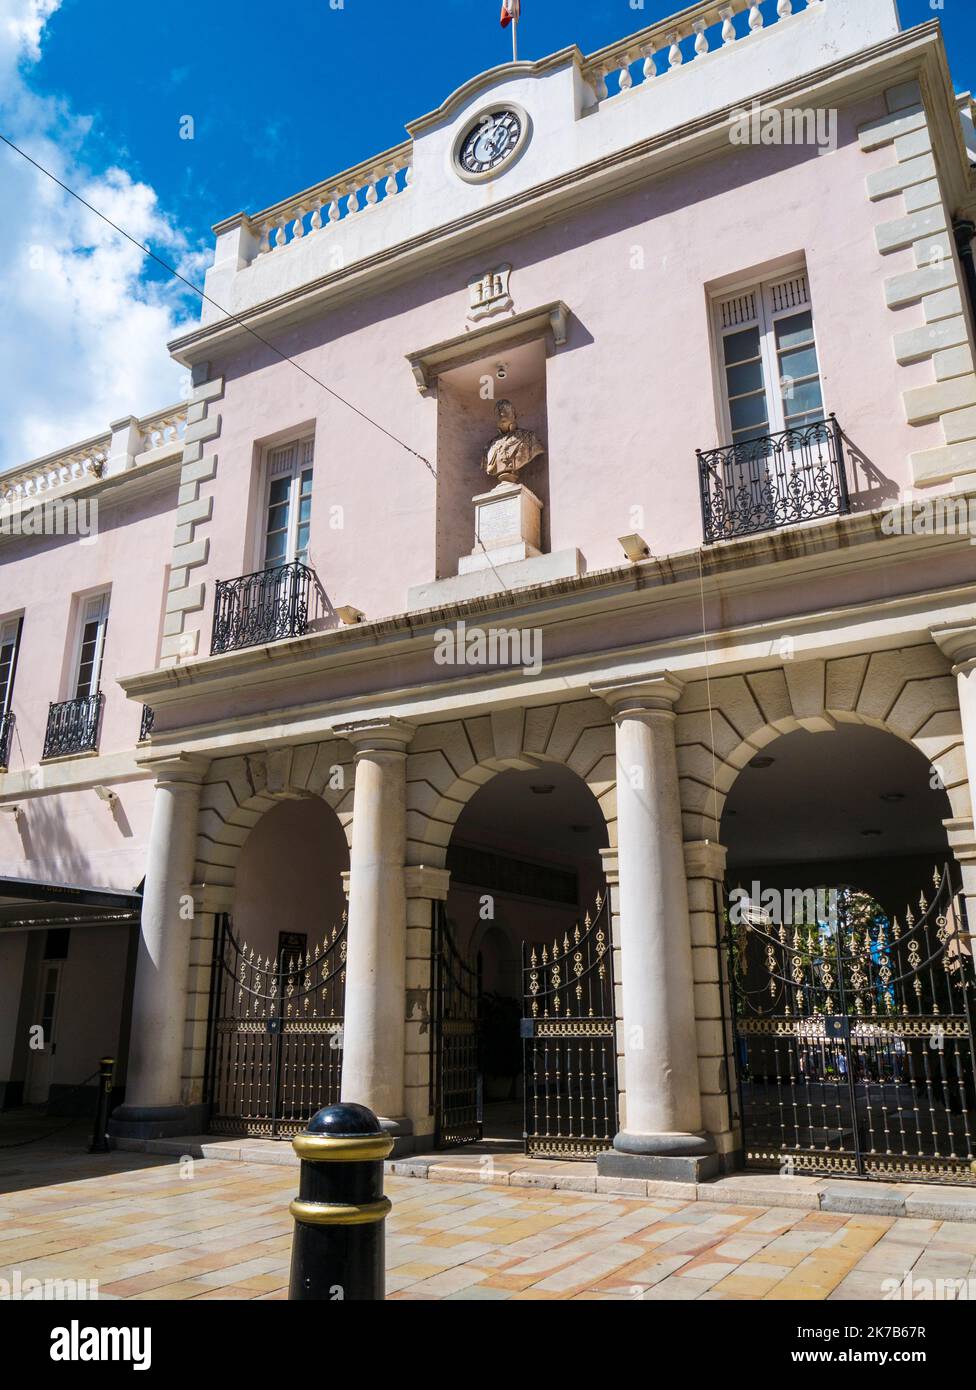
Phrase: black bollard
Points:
(99, 1143)
(338, 1251)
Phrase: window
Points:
(768, 356)
(9, 646)
(91, 645)
(288, 508)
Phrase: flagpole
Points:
(515, 37)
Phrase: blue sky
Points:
(281, 96)
(284, 95)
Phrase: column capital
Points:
(962, 839)
(425, 881)
(385, 734)
(610, 858)
(174, 768)
(642, 695)
(957, 642)
(705, 859)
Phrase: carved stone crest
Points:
(489, 293)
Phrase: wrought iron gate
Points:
(569, 1036)
(275, 1046)
(854, 1043)
(458, 1100)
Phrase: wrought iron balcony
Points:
(6, 732)
(261, 607)
(772, 481)
(72, 726)
(146, 723)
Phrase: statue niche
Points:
(508, 519)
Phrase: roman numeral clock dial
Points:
(490, 142)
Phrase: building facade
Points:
(565, 541)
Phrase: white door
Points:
(40, 1067)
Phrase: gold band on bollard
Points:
(324, 1148)
(345, 1214)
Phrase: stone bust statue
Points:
(513, 449)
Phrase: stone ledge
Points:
(931, 1202)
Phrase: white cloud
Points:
(84, 319)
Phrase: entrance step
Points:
(929, 1202)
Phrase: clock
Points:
(490, 142)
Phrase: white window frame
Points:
(763, 303)
(276, 466)
(10, 635)
(92, 608)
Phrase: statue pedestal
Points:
(508, 525)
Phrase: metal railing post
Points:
(99, 1143)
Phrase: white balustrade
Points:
(75, 464)
(701, 20)
(331, 202)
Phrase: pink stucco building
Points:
(335, 762)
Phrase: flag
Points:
(510, 11)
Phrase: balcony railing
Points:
(146, 723)
(772, 481)
(72, 726)
(6, 732)
(261, 607)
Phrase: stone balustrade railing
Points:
(163, 427)
(693, 33)
(346, 195)
(90, 459)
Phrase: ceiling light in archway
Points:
(871, 832)
(543, 788)
(761, 762)
(892, 797)
(580, 829)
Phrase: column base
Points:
(157, 1121)
(663, 1157)
(400, 1130)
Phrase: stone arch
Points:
(239, 790)
(909, 692)
(447, 763)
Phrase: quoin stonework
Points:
(418, 766)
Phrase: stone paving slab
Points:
(482, 1164)
(148, 1226)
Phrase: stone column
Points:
(373, 1027)
(425, 886)
(154, 1105)
(958, 643)
(705, 866)
(662, 1135)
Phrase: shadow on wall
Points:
(50, 850)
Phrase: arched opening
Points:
(856, 806)
(275, 1048)
(526, 873)
(849, 964)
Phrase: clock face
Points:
(491, 141)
